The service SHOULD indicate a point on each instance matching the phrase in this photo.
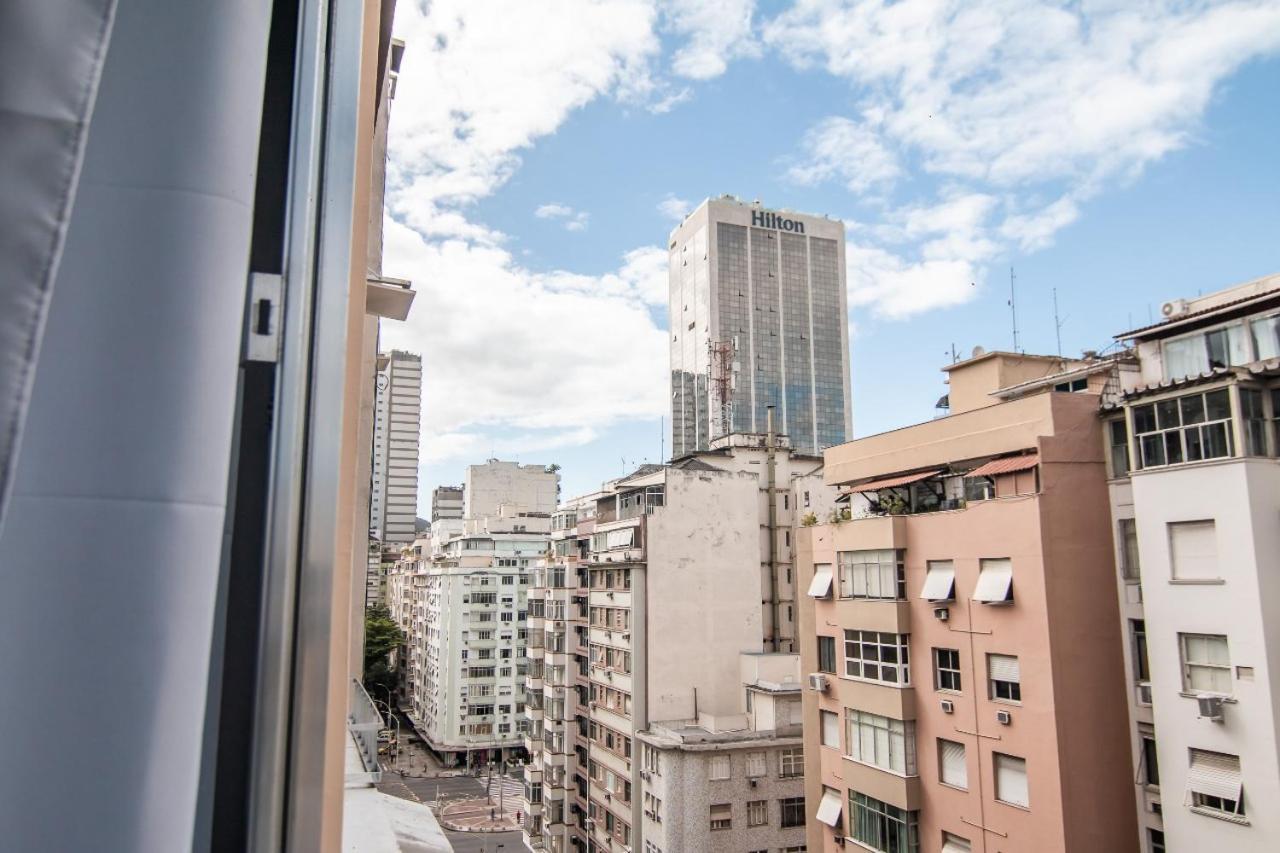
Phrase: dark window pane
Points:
(1173, 447)
(1219, 355)
(1167, 413)
(1218, 404)
(1192, 409)
(1195, 448)
(1117, 433)
(1216, 443)
(1144, 418)
(1152, 450)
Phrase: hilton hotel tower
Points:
(758, 308)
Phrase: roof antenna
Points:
(1057, 323)
(1013, 308)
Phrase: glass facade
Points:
(775, 338)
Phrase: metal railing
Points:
(364, 721)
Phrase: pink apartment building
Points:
(968, 690)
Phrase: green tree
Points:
(381, 635)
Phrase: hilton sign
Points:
(765, 219)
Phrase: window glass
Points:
(1185, 357)
(1206, 664)
(1266, 337)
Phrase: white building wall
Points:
(497, 484)
(1243, 499)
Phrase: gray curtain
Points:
(51, 55)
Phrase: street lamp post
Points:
(395, 720)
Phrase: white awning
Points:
(1004, 668)
(940, 582)
(829, 808)
(995, 582)
(1214, 774)
(820, 587)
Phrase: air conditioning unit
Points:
(1210, 708)
(1174, 308)
(942, 614)
(1144, 692)
(1004, 718)
(948, 707)
(818, 682)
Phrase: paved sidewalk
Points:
(479, 815)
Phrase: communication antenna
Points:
(1013, 307)
(1057, 323)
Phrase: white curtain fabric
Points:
(51, 56)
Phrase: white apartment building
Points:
(1195, 495)
(393, 506)
(446, 502)
(726, 784)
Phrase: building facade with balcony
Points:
(1195, 492)
(961, 632)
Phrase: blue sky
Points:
(536, 164)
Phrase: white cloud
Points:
(846, 150)
(574, 220)
(1017, 99)
(674, 208)
(716, 33)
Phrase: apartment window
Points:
(830, 729)
(1118, 434)
(1150, 762)
(792, 809)
(876, 656)
(720, 767)
(952, 767)
(1214, 784)
(1184, 429)
(722, 816)
(791, 762)
(882, 741)
(1206, 664)
(946, 669)
(1005, 678)
(995, 581)
(881, 826)
(955, 844)
(1141, 666)
(1255, 421)
(1155, 841)
(872, 574)
(939, 581)
(827, 654)
(1011, 779)
(1127, 533)
(757, 812)
(1193, 550)
(756, 765)
(1200, 352)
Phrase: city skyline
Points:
(536, 170)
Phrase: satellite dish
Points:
(977, 351)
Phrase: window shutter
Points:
(940, 582)
(1193, 547)
(955, 771)
(955, 844)
(1004, 668)
(995, 582)
(1215, 774)
(820, 587)
(829, 808)
(830, 729)
(1011, 779)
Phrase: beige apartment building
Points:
(649, 622)
(961, 631)
(1195, 494)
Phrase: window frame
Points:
(854, 637)
(847, 571)
(996, 760)
(939, 670)
(1187, 665)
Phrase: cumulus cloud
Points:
(675, 208)
(1017, 99)
(715, 32)
(574, 220)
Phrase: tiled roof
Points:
(1006, 466)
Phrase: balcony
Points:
(532, 713)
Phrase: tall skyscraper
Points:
(393, 506)
(758, 319)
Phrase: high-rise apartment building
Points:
(393, 505)
(1195, 495)
(758, 319)
(446, 502)
(960, 628)
(647, 623)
